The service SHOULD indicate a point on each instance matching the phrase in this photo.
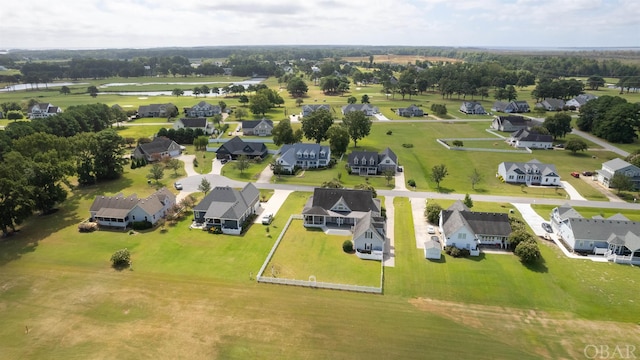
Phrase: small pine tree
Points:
(467, 201)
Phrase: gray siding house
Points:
(227, 209)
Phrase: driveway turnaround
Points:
(389, 258)
(188, 164)
(273, 205)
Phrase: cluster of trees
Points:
(558, 125)
(611, 118)
(264, 100)
(181, 136)
(557, 89)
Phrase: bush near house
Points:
(141, 225)
(456, 252)
(347, 246)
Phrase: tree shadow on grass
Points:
(444, 190)
(537, 266)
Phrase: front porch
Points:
(623, 259)
(370, 254)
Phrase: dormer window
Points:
(355, 161)
(306, 154)
(299, 154)
(322, 153)
(372, 162)
(312, 154)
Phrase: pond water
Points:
(38, 86)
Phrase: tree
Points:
(223, 105)
(539, 129)
(518, 236)
(575, 145)
(260, 104)
(16, 202)
(15, 115)
(621, 182)
(388, 175)
(364, 99)
(358, 125)
(242, 163)
(177, 92)
(93, 91)
(205, 186)
(196, 91)
(528, 252)
(351, 100)
(297, 87)
(438, 173)
(243, 99)
(204, 89)
(594, 82)
(65, 90)
(432, 212)
(458, 143)
(173, 164)
(156, 172)
(369, 187)
(121, 258)
(283, 133)
(299, 102)
(338, 139)
(240, 113)
(475, 178)
(108, 155)
(558, 125)
(316, 124)
(467, 201)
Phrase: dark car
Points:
(547, 227)
(587, 173)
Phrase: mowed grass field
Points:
(189, 294)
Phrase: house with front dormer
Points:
(308, 109)
(511, 107)
(227, 209)
(119, 211)
(157, 110)
(410, 111)
(356, 210)
(262, 127)
(372, 163)
(194, 123)
(472, 108)
(525, 138)
(510, 123)
(466, 229)
(551, 104)
(618, 166)
(616, 238)
(202, 109)
(43, 110)
(158, 148)
(367, 109)
(532, 172)
(237, 147)
(303, 156)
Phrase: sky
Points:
(98, 24)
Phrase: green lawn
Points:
(250, 174)
(315, 177)
(304, 252)
(589, 212)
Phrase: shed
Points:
(432, 250)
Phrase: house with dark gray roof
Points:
(579, 100)
(525, 138)
(308, 109)
(194, 123)
(303, 156)
(158, 148)
(356, 210)
(516, 106)
(237, 147)
(43, 110)
(157, 110)
(510, 123)
(257, 127)
(202, 109)
(472, 108)
(410, 111)
(367, 109)
(617, 238)
(466, 229)
(227, 209)
(532, 172)
(618, 166)
(551, 104)
(119, 211)
(372, 163)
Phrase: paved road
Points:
(600, 142)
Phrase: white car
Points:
(267, 219)
(431, 229)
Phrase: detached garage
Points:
(432, 250)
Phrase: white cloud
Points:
(145, 23)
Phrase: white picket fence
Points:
(312, 283)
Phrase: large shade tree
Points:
(358, 125)
(315, 125)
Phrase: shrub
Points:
(432, 212)
(408, 146)
(141, 225)
(456, 252)
(88, 227)
(389, 132)
(347, 246)
(411, 183)
(528, 251)
(121, 258)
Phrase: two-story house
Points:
(367, 109)
(262, 127)
(410, 111)
(372, 163)
(42, 110)
(303, 156)
(308, 109)
(472, 107)
(529, 173)
(618, 166)
(202, 109)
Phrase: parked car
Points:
(547, 227)
(267, 219)
(224, 161)
(575, 174)
(587, 173)
(559, 146)
(431, 229)
(178, 186)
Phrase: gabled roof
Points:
(458, 206)
(514, 120)
(368, 155)
(617, 164)
(483, 223)
(566, 211)
(388, 152)
(554, 103)
(250, 124)
(527, 135)
(356, 107)
(205, 104)
(118, 206)
(356, 200)
(228, 203)
(237, 146)
(601, 229)
(314, 107)
(159, 144)
(532, 167)
(289, 152)
(198, 122)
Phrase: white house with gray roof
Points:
(227, 209)
(580, 100)
(194, 123)
(303, 156)
(202, 109)
(262, 127)
(120, 211)
(372, 163)
(529, 173)
(617, 238)
(466, 229)
(367, 109)
(525, 138)
(43, 110)
(472, 107)
(308, 109)
(618, 166)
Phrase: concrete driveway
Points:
(400, 184)
(532, 218)
(273, 205)
(389, 257)
(188, 164)
(418, 205)
(573, 193)
(265, 175)
(216, 167)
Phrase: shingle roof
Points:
(514, 120)
(616, 164)
(356, 200)
(289, 152)
(228, 203)
(198, 122)
(237, 146)
(368, 155)
(157, 145)
(388, 152)
(602, 229)
(118, 206)
(250, 124)
(531, 167)
(527, 135)
(482, 223)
